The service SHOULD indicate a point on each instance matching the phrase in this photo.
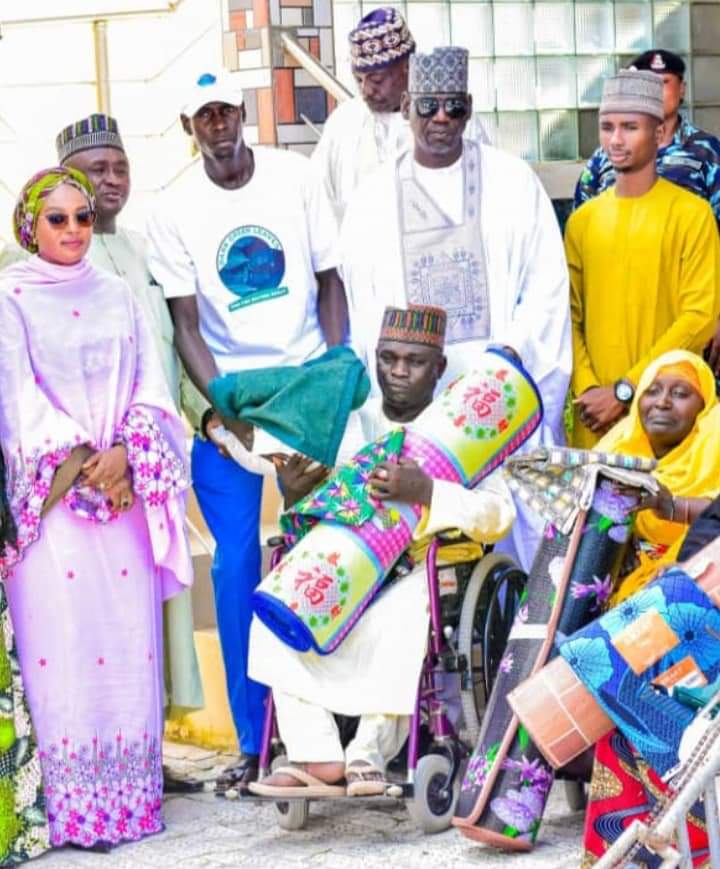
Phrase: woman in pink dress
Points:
(89, 570)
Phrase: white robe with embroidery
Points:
(527, 287)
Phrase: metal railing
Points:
(314, 68)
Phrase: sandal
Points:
(365, 780)
(310, 786)
(239, 776)
(175, 784)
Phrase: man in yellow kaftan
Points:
(644, 260)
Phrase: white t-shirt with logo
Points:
(250, 256)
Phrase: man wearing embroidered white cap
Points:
(363, 132)
(465, 227)
(246, 256)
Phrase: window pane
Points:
(554, 28)
(706, 75)
(517, 132)
(513, 26)
(515, 83)
(472, 27)
(490, 125)
(588, 131)
(429, 23)
(556, 82)
(558, 135)
(672, 26)
(590, 74)
(594, 30)
(633, 27)
(481, 75)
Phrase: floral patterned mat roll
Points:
(507, 782)
(350, 541)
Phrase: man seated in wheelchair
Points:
(374, 673)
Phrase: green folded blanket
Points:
(304, 406)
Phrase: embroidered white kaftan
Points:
(526, 283)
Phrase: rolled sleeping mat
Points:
(560, 712)
(508, 780)
(317, 593)
(632, 658)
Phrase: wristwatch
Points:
(624, 391)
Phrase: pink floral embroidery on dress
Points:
(158, 473)
(103, 792)
(32, 478)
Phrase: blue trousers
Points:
(229, 499)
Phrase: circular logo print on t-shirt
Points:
(251, 264)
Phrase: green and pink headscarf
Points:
(35, 191)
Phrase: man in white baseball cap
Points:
(212, 87)
(246, 254)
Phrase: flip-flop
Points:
(362, 780)
(311, 787)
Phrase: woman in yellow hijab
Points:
(675, 418)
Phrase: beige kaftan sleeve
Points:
(485, 514)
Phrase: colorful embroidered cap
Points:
(95, 131)
(380, 39)
(633, 91)
(660, 61)
(419, 324)
(211, 87)
(443, 71)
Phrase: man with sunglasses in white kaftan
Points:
(466, 227)
(363, 132)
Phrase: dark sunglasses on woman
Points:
(83, 218)
(454, 107)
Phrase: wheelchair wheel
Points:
(433, 805)
(292, 814)
(289, 814)
(486, 618)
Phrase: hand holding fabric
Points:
(662, 504)
(106, 469)
(404, 481)
(242, 430)
(295, 477)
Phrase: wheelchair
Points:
(472, 609)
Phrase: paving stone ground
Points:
(204, 832)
